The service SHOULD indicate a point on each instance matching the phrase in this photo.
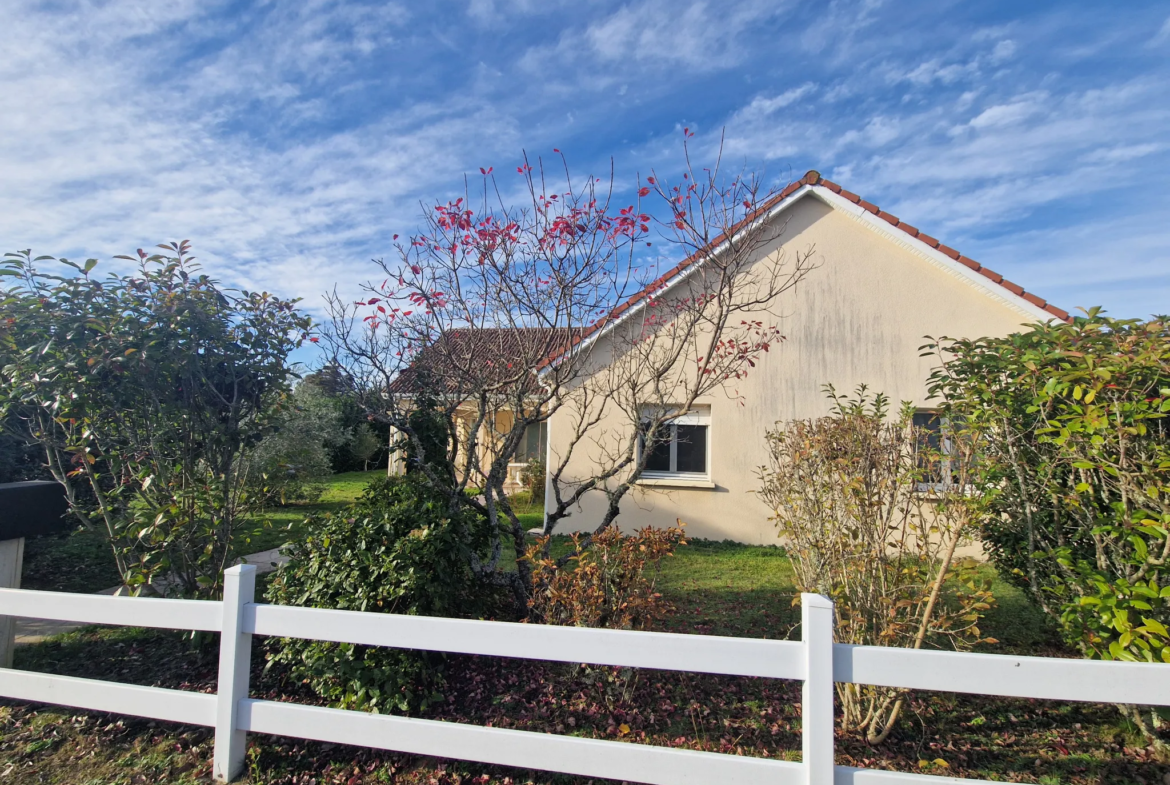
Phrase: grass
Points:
(284, 524)
(80, 561)
(77, 561)
(716, 588)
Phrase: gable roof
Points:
(810, 184)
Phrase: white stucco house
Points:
(861, 317)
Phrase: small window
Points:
(936, 450)
(532, 446)
(680, 448)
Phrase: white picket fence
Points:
(815, 660)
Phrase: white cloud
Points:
(103, 154)
(1163, 34)
(289, 141)
(696, 36)
(1121, 153)
(933, 71)
(1003, 115)
(762, 106)
(836, 30)
(879, 131)
(1003, 51)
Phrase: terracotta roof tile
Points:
(1014, 288)
(868, 206)
(888, 218)
(974, 265)
(992, 274)
(926, 238)
(949, 251)
(1059, 312)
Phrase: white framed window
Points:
(681, 449)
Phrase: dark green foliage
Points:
(363, 442)
(147, 394)
(1073, 426)
(429, 442)
(21, 458)
(399, 549)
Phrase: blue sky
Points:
(288, 141)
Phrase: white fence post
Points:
(816, 708)
(235, 663)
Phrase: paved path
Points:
(36, 630)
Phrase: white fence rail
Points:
(815, 660)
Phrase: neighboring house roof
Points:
(463, 358)
(813, 184)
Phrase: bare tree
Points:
(511, 315)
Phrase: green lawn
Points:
(283, 524)
(80, 561)
(716, 588)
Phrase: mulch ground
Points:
(963, 736)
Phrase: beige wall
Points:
(859, 318)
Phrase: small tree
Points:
(356, 427)
(1072, 425)
(502, 308)
(364, 444)
(291, 461)
(872, 515)
(148, 394)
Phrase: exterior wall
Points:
(464, 421)
(859, 318)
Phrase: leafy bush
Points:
(363, 439)
(607, 584)
(147, 394)
(1073, 427)
(21, 458)
(1073, 423)
(398, 549)
(870, 521)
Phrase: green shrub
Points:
(398, 549)
(1072, 423)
